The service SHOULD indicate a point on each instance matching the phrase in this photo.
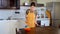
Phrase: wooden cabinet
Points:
(4, 3)
(9, 4)
(15, 3)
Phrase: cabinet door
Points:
(57, 10)
(4, 3)
(57, 14)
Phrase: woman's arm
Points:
(36, 20)
(26, 18)
(27, 11)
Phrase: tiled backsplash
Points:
(4, 14)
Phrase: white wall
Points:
(4, 14)
(22, 1)
(38, 1)
(43, 1)
(56, 0)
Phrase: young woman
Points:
(31, 16)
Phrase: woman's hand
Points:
(36, 23)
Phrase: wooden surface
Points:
(42, 30)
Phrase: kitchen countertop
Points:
(43, 30)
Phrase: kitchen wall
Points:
(22, 1)
(4, 14)
(46, 1)
(43, 1)
(39, 1)
(56, 0)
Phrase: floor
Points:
(43, 30)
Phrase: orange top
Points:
(30, 19)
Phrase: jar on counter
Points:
(42, 15)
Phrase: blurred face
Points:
(32, 8)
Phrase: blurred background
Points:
(12, 14)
